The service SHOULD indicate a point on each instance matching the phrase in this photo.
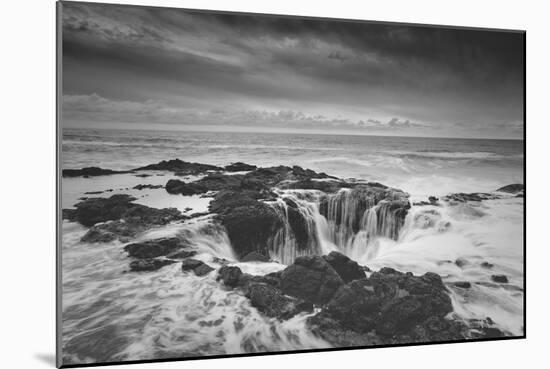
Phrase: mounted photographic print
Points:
(245, 184)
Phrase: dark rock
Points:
(197, 266)
(146, 186)
(487, 265)
(148, 265)
(251, 227)
(346, 268)
(499, 278)
(465, 197)
(212, 182)
(182, 167)
(183, 254)
(177, 187)
(484, 328)
(96, 210)
(90, 172)
(229, 275)
(390, 302)
(154, 248)
(310, 278)
(239, 167)
(93, 192)
(433, 200)
(461, 262)
(512, 188)
(270, 301)
(463, 284)
(332, 331)
(68, 214)
(255, 256)
(202, 270)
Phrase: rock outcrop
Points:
(90, 172)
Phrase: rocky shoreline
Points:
(349, 305)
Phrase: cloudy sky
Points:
(152, 67)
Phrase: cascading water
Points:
(348, 221)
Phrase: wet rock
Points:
(90, 172)
(324, 326)
(389, 302)
(229, 275)
(182, 254)
(499, 278)
(271, 302)
(465, 197)
(433, 200)
(177, 187)
(182, 167)
(143, 175)
(461, 262)
(96, 210)
(68, 214)
(512, 188)
(310, 278)
(255, 256)
(346, 268)
(154, 248)
(331, 186)
(391, 204)
(487, 265)
(484, 328)
(146, 186)
(239, 167)
(463, 284)
(149, 265)
(93, 192)
(250, 226)
(198, 267)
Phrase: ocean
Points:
(132, 316)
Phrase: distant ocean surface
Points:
(420, 166)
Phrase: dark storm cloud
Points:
(236, 69)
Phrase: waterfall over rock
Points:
(316, 223)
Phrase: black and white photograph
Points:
(240, 184)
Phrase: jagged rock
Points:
(310, 278)
(465, 197)
(148, 265)
(96, 210)
(179, 166)
(499, 278)
(198, 267)
(463, 284)
(176, 187)
(229, 275)
(91, 172)
(346, 268)
(255, 256)
(484, 328)
(154, 248)
(512, 188)
(270, 301)
(239, 167)
(389, 302)
(146, 186)
(68, 214)
(250, 225)
(182, 254)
